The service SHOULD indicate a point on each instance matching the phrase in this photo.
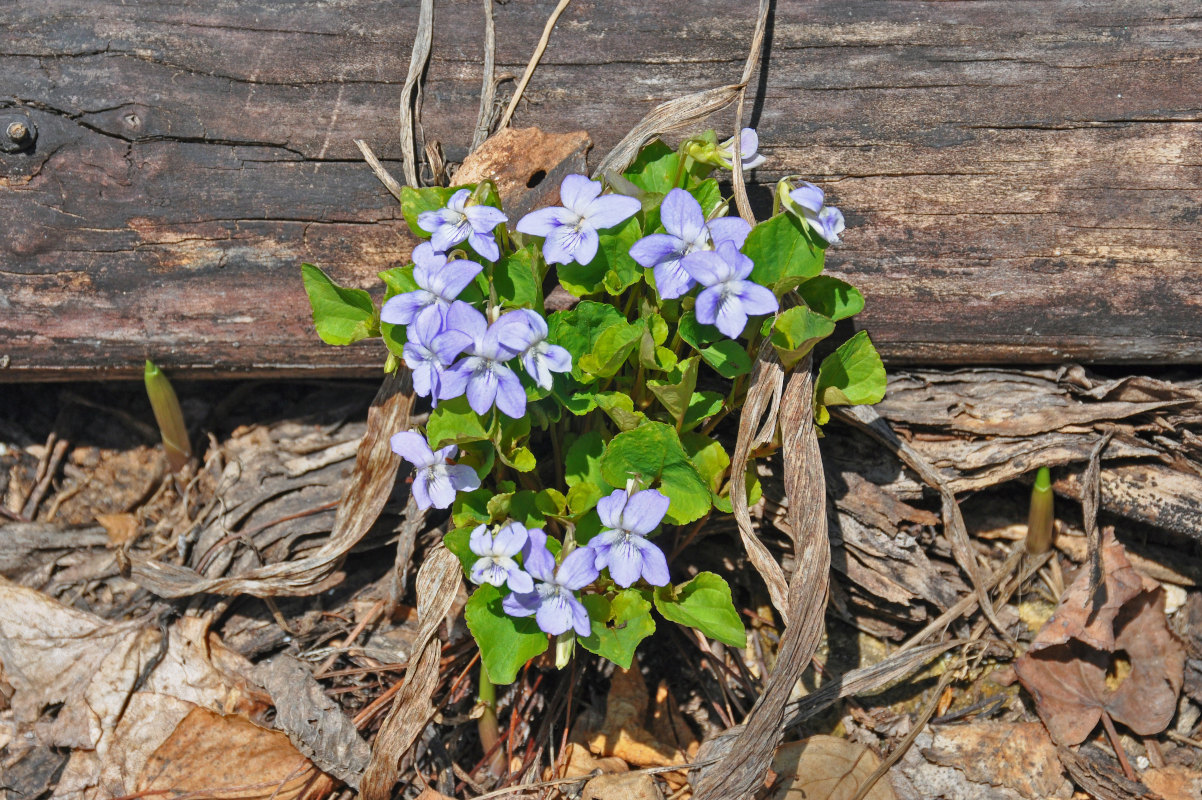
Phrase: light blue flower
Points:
(458, 222)
(570, 230)
(622, 545)
(436, 482)
(728, 298)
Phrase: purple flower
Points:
(525, 331)
(829, 224)
(687, 232)
(570, 231)
(827, 221)
(496, 551)
(436, 481)
(553, 602)
(459, 221)
(483, 375)
(622, 545)
(535, 555)
(809, 196)
(729, 298)
(430, 348)
(441, 281)
(749, 145)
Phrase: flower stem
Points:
(487, 725)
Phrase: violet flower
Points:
(553, 602)
(535, 555)
(483, 375)
(570, 230)
(526, 331)
(436, 482)
(441, 281)
(827, 221)
(729, 298)
(687, 232)
(433, 343)
(458, 221)
(496, 551)
(749, 145)
(622, 545)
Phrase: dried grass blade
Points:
(370, 485)
(488, 90)
(867, 420)
(753, 60)
(1091, 499)
(742, 770)
(411, 94)
(390, 183)
(535, 57)
(683, 112)
(438, 581)
(757, 426)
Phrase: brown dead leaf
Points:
(1016, 755)
(621, 787)
(825, 768)
(201, 752)
(123, 687)
(623, 734)
(1066, 668)
(431, 794)
(121, 528)
(1174, 783)
(580, 763)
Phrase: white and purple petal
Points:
(682, 217)
(610, 210)
(413, 447)
(546, 220)
(644, 511)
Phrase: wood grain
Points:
(1022, 181)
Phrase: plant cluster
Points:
(563, 442)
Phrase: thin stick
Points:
(368, 619)
(390, 183)
(488, 90)
(534, 59)
(753, 60)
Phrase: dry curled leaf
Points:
(825, 768)
(438, 582)
(1066, 668)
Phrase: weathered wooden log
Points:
(1021, 183)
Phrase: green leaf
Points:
(506, 643)
(611, 349)
(726, 356)
(582, 461)
(654, 168)
(341, 315)
(524, 506)
(702, 406)
(620, 408)
(431, 198)
(509, 448)
(709, 457)
(709, 195)
(578, 329)
(703, 603)
(454, 422)
(831, 297)
(458, 542)
(618, 626)
(797, 331)
(780, 249)
(653, 452)
(676, 392)
(852, 375)
(471, 508)
(516, 282)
